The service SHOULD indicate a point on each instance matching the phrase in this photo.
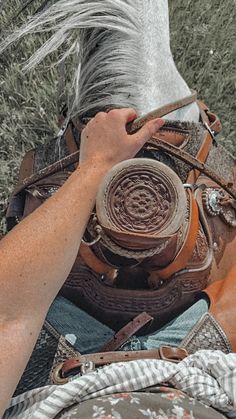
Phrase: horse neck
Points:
(122, 54)
(132, 68)
(128, 63)
(160, 82)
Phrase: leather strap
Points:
(186, 250)
(94, 262)
(165, 353)
(70, 141)
(157, 113)
(27, 166)
(209, 118)
(155, 142)
(192, 161)
(86, 363)
(213, 123)
(171, 148)
(201, 156)
(126, 332)
(175, 137)
(160, 112)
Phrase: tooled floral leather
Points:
(139, 203)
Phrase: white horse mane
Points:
(94, 32)
(121, 53)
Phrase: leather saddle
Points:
(153, 236)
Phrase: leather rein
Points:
(210, 121)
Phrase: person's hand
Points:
(105, 141)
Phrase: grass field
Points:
(204, 46)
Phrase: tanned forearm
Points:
(37, 255)
(50, 245)
(35, 259)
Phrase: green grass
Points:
(204, 46)
(203, 43)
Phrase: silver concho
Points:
(52, 189)
(218, 202)
(211, 200)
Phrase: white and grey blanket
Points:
(208, 376)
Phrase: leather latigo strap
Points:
(127, 331)
(88, 362)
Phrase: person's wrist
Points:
(96, 166)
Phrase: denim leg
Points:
(174, 332)
(84, 332)
(87, 334)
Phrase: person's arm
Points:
(37, 255)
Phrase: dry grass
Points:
(203, 43)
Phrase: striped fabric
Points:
(209, 376)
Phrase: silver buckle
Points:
(211, 132)
(87, 367)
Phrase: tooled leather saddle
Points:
(153, 236)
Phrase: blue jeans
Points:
(87, 334)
